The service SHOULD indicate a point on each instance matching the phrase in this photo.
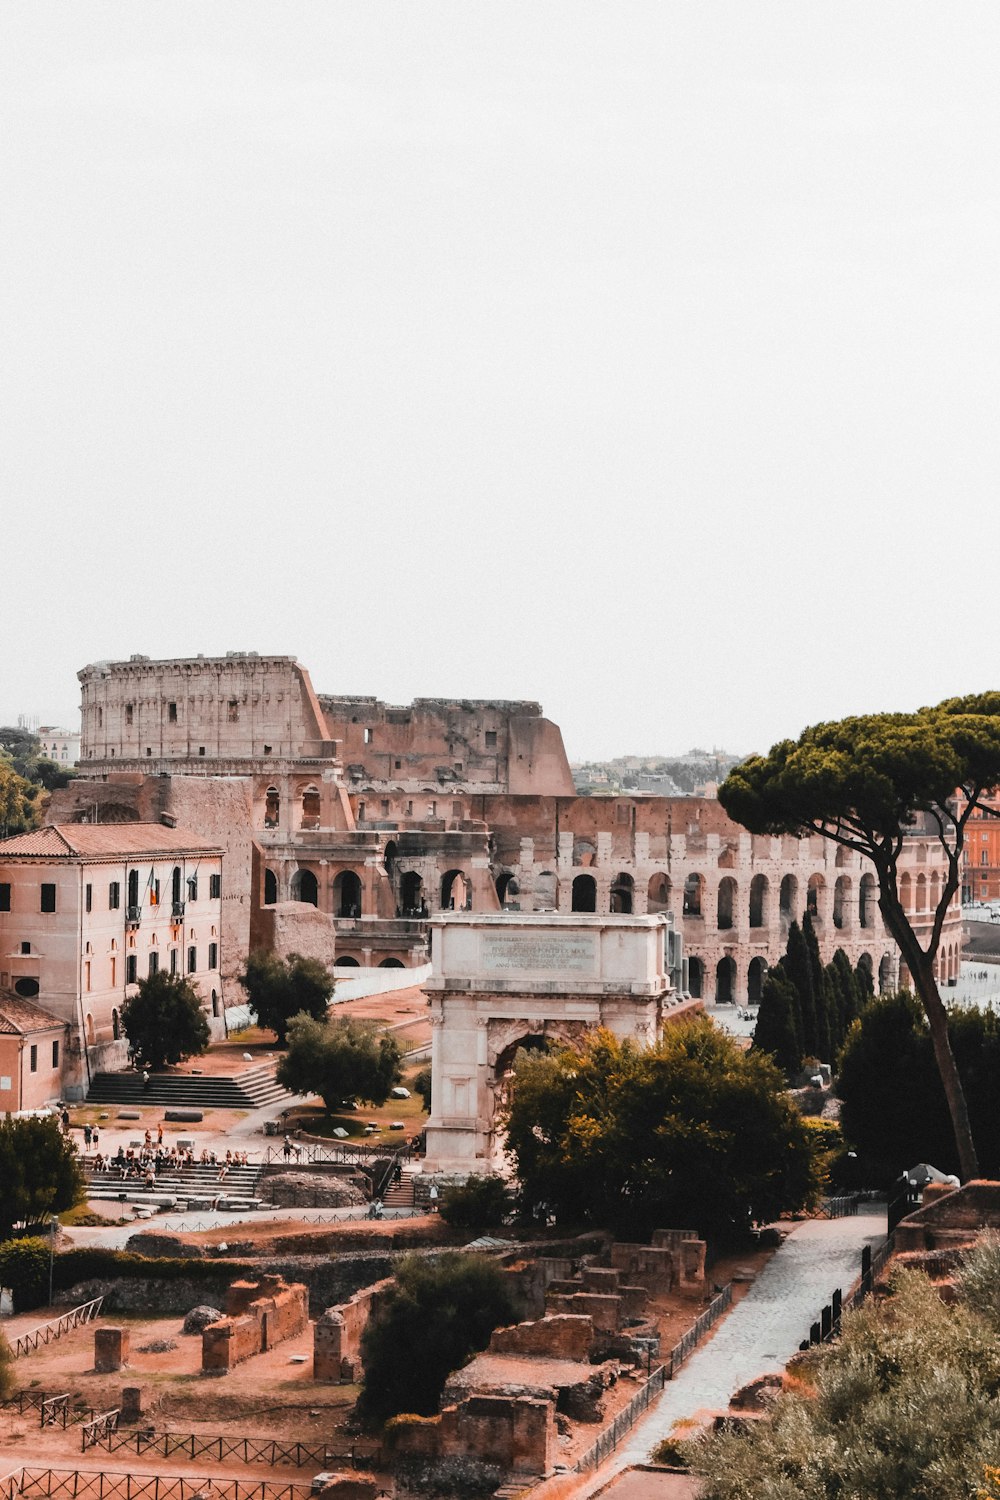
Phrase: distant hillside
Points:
(665, 775)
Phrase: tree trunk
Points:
(937, 1018)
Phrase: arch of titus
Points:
(505, 981)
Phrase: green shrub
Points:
(24, 1268)
(480, 1203)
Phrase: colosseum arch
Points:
(725, 980)
(921, 892)
(866, 901)
(905, 891)
(347, 894)
(305, 887)
(726, 904)
(546, 893)
(694, 895)
(759, 891)
(816, 897)
(411, 894)
(755, 979)
(623, 894)
(310, 807)
(696, 978)
(842, 902)
(272, 807)
(584, 893)
(658, 893)
(456, 891)
(788, 901)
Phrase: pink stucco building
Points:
(32, 1053)
(87, 910)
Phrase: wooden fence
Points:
(25, 1343)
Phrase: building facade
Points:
(86, 911)
(382, 816)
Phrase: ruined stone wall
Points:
(295, 927)
(258, 1316)
(442, 742)
(202, 708)
(337, 1334)
(516, 1433)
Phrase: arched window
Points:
(546, 891)
(622, 895)
(905, 891)
(788, 900)
(411, 894)
(272, 807)
(921, 892)
(270, 888)
(755, 980)
(347, 893)
(725, 981)
(727, 902)
(346, 962)
(507, 887)
(310, 808)
(758, 901)
(456, 891)
(585, 893)
(866, 901)
(696, 978)
(842, 902)
(694, 889)
(658, 894)
(816, 897)
(305, 887)
(392, 963)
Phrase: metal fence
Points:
(686, 1346)
(612, 1435)
(56, 1327)
(339, 1152)
(248, 1450)
(29, 1483)
(839, 1208)
(626, 1418)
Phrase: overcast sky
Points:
(639, 358)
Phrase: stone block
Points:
(131, 1403)
(111, 1349)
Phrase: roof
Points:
(18, 1016)
(100, 840)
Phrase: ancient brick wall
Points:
(517, 1434)
(259, 1315)
(558, 1336)
(337, 1334)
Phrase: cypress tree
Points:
(798, 969)
(850, 996)
(866, 981)
(778, 1029)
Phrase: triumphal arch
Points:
(501, 982)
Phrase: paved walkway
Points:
(761, 1333)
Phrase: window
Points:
(154, 963)
(233, 713)
(86, 975)
(368, 736)
(133, 892)
(131, 968)
(192, 960)
(409, 809)
(172, 712)
(201, 749)
(48, 896)
(361, 812)
(25, 947)
(385, 807)
(398, 765)
(114, 971)
(173, 960)
(100, 718)
(432, 809)
(213, 955)
(4, 895)
(215, 886)
(458, 767)
(983, 860)
(114, 896)
(491, 739)
(192, 887)
(88, 897)
(34, 1058)
(55, 1054)
(456, 809)
(128, 713)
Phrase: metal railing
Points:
(25, 1343)
(686, 1345)
(612, 1435)
(839, 1208)
(100, 1484)
(249, 1450)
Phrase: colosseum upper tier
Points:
(379, 816)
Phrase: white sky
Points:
(641, 358)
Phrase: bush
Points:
(438, 1313)
(24, 1268)
(480, 1203)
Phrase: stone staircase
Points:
(254, 1088)
(400, 1196)
(195, 1187)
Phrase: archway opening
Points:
(694, 887)
(270, 888)
(622, 895)
(347, 894)
(346, 962)
(725, 981)
(814, 897)
(758, 901)
(841, 902)
(727, 902)
(866, 901)
(885, 974)
(546, 892)
(507, 887)
(392, 963)
(389, 856)
(411, 895)
(696, 978)
(755, 980)
(658, 894)
(272, 807)
(866, 973)
(305, 887)
(456, 891)
(584, 893)
(310, 807)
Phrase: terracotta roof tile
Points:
(94, 840)
(18, 1016)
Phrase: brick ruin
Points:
(259, 1314)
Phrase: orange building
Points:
(981, 854)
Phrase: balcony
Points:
(133, 916)
(176, 910)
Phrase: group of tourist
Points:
(147, 1162)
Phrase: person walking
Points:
(287, 1150)
(87, 1136)
(145, 1079)
(95, 1137)
(159, 1134)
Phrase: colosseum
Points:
(379, 816)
